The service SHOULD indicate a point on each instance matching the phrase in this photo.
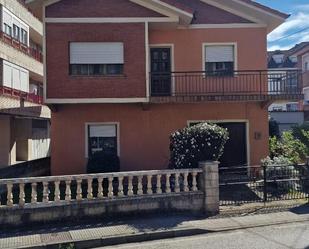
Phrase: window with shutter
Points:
(219, 60)
(96, 58)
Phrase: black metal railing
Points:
(239, 185)
(226, 83)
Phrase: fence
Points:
(55, 189)
(28, 201)
(241, 185)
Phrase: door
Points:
(160, 71)
(235, 150)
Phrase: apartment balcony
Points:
(226, 86)
(15, 102)
(20, 95)
(35, 54)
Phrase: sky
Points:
(299, 20)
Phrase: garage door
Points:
(235, 151)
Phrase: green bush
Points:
(301, 132)
(201, 142)
(103, 163)
(289, 147)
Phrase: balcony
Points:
(17, 94)
(35, 54)
(226, 86)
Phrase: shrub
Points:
(281, 160)
(103, 163)
(201, 142)
(289, 147)
(301, 132)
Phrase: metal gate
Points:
(239, 185)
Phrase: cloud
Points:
(279, 47)
(296, 22)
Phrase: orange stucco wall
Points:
(144, 134)
(188, 51)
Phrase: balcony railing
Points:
(235, 85)
(36, 54)
(30, 97)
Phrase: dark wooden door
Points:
(235, 150)
(160, 71)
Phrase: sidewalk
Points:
(138, 230)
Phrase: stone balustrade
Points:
(36, 191)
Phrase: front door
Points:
(160, 71)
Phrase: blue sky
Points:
(299, 20)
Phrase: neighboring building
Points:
(288, 112)
(122, 75)
(24, 120)
(303, 64)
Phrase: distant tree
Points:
(274, 128)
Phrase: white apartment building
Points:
(24, 119)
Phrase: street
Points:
(294, 235)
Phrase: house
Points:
(122, 75)
(287, 113)
(303, 64)
(24, 119)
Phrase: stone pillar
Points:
(210, 186)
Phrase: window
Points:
(219, 60)
(8, 29)
(102, 138)
(292, 107)
(96, 58)
(15, 77)
(16, 31)
(24, 37)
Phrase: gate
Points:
(240, 185)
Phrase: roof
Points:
(197, 12)
(286, 62)
(266, 8)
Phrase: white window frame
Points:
(117, 124)
(234, 44)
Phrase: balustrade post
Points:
(68, 190)
(89, 189)
(34, 194)
(110, 187)
(57, 191)
(120, 186)
(167, 184)
(149, 185)
(21, 194)
(159, 188)
(9, 194)
(185, 183)
(100, 188)
(79, 191)
(177, 187)
(45, 192)
(194, 182)
(210, 180)
(140, 185)
(130, 186)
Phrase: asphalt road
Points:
(295, 235)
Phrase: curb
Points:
(152, 236)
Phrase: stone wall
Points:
(102, 209)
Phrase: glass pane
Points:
(114, 69)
